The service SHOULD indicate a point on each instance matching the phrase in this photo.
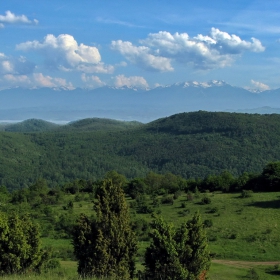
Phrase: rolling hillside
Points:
(189, 144)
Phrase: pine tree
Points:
(180, 254)
(20, 245)
(192, 248)
(107, 246)
(161, 258)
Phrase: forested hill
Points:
(188, 144)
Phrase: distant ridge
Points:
(100, 124)
(31, 125)
(127, 103)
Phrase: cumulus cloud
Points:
(142, 56)
(260, 86)
(92, 81)
(34, 80)
(11, 18)
(133, 81)
(15, 66)
(96, 68)
(64, 53)
(215, 50)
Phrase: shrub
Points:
(252, 274)
(208, 223)
(206, 200)
(190, 196)
(167, 200)
(213, 210)
(20, 245)
(232, 236)
(246, 193)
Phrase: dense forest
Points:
(192, 145)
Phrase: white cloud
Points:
(233, 44)
(114, 21)
(92, 81)
(260, 86)
(133, 81)
(96, 68)
(48, 81)
(11, 65)
(17, 79)
(64, 53)
(142, 56)
(11, 18)
(35, 80)
(158, 50)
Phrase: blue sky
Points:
(91, 43)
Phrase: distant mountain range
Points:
(61, 104)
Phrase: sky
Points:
(144, 44)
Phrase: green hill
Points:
(31, 125)
(188, 144)
(96, 124)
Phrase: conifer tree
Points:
(20, 245)
(192, 248)
(180, 254)
(161, 258)
(107, 246)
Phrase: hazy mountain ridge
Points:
(129, 103)
(84, 125)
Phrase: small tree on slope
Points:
(180, 254)
(20, 245)
(107, 246)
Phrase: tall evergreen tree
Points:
(161, 257)
(107, 246)
(192, 248)
(20, 245)
(180, 254)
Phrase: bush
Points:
(252, 274)
(246, 193)
(52, 264)
(20, 245)
(167, 200)
(208, 223)
(206, 200)
(213, 210)
(232, 236)
(190, 196)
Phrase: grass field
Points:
(242, 228)
(239, 229)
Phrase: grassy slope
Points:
(244, 229)
(253, 221)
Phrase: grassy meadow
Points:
(244, 230)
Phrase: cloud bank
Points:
(260, 86)
(132, 81)
(15, 66)
(64, 53)
(216, 50)
(34, 80)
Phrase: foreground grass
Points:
(217, 272)
(243, 229)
